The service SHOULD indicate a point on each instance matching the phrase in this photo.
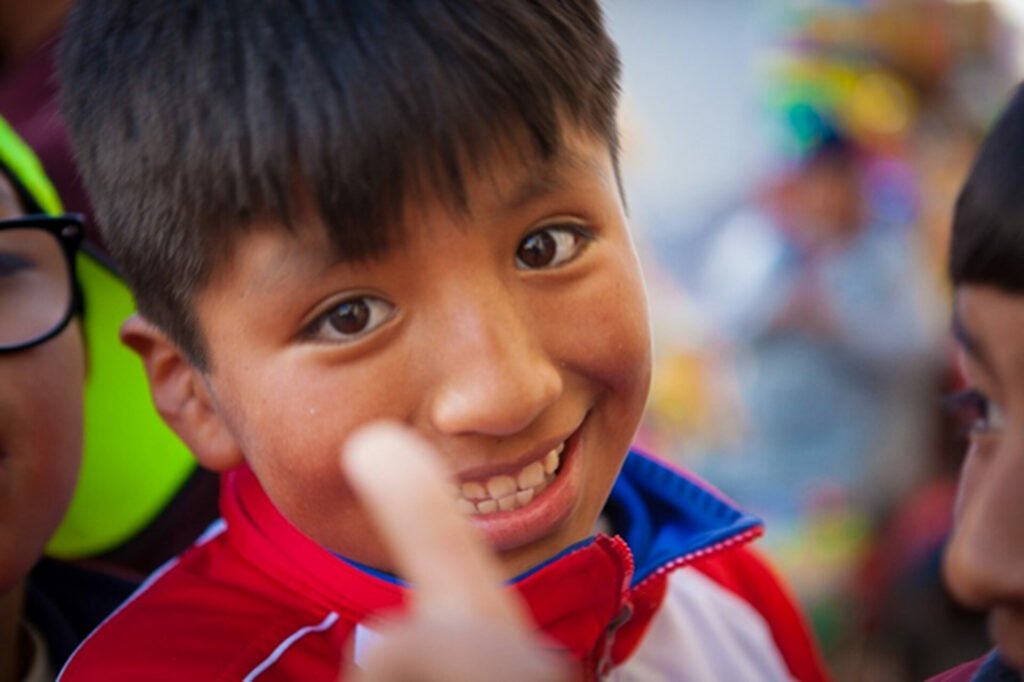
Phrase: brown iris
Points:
(538, 250)
(350, 317)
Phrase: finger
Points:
(404, 486)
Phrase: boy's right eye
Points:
(350, 319)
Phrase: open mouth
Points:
(507, 492)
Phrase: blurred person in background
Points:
(818, 289)
(824, 308)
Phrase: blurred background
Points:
(791, 169)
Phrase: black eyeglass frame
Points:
(67, 229)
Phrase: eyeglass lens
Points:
(35, 285)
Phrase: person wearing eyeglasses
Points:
(46, 606)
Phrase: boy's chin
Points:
(516, 562)
(1006, 627)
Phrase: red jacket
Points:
(257, 599)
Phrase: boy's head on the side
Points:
(984, 563)
(338, 212)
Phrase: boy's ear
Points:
(182, 396)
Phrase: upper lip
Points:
(514, 465)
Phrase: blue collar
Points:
(665, 515)
(995, 670)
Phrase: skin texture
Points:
(984, 564)
(40, 452)
(491, 363)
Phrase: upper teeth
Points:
(505, 492)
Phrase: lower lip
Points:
(509, 530)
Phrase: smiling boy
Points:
(336, 213)
(468, 330)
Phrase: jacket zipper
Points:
(603, 663)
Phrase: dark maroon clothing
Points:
(988, 668)
(29, 103)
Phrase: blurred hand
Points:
(462, 624)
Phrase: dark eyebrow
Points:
(534, 187)
(539, 179)
(543, 177)
(969, 343)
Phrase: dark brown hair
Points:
(988, 224)
(190, 119)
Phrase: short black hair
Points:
(191, 119)
(987, 245)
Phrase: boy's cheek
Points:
(319, 502)
(615, 339)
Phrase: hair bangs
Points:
(228, 113)
(431, 97)
(987, 245)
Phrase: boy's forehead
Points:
(511, 179)
(987, 324)
(508, 182)
(507, 185)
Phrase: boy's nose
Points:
(494, 375)
(984, 562)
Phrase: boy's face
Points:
(40, 434)
(514, 337)
(984, 563)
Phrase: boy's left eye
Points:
(552, 246)
(351, 318)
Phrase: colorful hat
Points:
(132, 463)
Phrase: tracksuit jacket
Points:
(674, 595)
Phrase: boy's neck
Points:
(12, 661)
